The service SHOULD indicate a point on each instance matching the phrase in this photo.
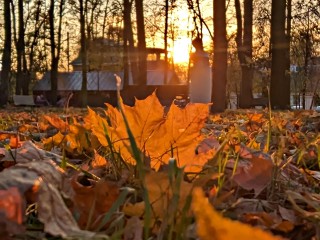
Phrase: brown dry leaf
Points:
(268, 220)
(26, 153)
(287, 214)
(133, 229)
(50, 185)
(211, 225)
(12, 205)
(254, 170)
(160, 195)
(57, 122)
(312, 200)
(94, 200)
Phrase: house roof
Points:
(99, 81)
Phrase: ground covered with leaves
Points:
(150, 172)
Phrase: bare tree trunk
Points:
(280, 86)
(83, 52)
(55, 49)
(288, 40)
(166, 41)
(39, 23)
(54, 65)
(220, 57)
(244, 46)
(130, 52)
(6, 56)
(20, 45)
(142, 51)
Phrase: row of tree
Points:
(281, 50)
(38, 35)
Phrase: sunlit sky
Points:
(181, 20)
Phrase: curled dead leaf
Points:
(93, 200)
(253, 171)
(51, 185)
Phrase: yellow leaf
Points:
(57, 122)
(160, 196)
(180, 133)
(160, 137)
(98, 126)
(55, 140)
(98, 160)
(211, 225)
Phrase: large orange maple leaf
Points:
(157, 135)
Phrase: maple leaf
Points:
(179, 136)
(160, 137)
(98, 126)
(77, 139)
(144, 119)
(211, 225)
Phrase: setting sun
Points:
(181, 50)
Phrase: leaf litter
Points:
(235, 175)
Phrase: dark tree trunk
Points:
(55, 49)
(166, 40)
(142, 52)
(130, 52)
(34, 42)
(244, 46)
(54, 65)
(20, 46)
(280, 86)
(83, 52)
(247, 70)
(6, 56)
(288, 40)
(220, 57)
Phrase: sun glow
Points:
(181, 50)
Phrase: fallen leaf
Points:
(211, 225)
(133, 229)
(287, 214)
(50, 182)
(14, 142)
(253, 171)
(160, 196)
(57, 122)
(98, 160)
(92, 201)
(268, 220)
(176, 135)
(27, 152)
(12, 204)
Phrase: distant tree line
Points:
(37, 36)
